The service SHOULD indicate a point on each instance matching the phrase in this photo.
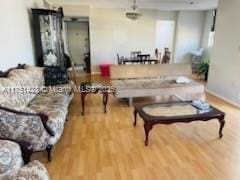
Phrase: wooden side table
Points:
(93, 88)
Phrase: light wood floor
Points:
(102, 146)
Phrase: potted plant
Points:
(203, 69)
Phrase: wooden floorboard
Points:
(102, 146)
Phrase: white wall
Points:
(188, 34)
(74, 10)
(111, 33)
(15, 35)
(225, 60)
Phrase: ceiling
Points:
(144, 4)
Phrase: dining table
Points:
(139, 61)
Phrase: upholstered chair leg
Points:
(49, 152)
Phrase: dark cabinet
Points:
(47, 32)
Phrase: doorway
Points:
(78, 46)
(165, 34)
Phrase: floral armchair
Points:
(14, 162)
(30, 111)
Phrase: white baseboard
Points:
(223, 98)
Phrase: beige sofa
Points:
(15, 162)
(132, 81)
(31, 112)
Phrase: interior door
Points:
(165, 34)
(78, 39)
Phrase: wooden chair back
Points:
(143, 58)
(134, 54)
(118, 59)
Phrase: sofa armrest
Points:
(25, 126)
(43, 117)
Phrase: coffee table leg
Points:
(147, 128)
(105, 100)
(135, 117)
(83, 102)
(222, 123)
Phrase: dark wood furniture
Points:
(151, 119)
(47, 34)
(138, 61)
(119, 59)
(143, 58)
(87, 62)
(134, 54)
(166, 57)
(93, 88)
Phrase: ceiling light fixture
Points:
(133, 14)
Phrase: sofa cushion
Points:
(165, 88)
(152, 83)
(21, 86)
(56, 107)
(45, 102)
(10, 157)
(36, 74)
(7, 94)
(149, 70)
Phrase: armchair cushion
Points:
(10, 157)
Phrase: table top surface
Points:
(136, 60)
(94, 87)
(91, 86)
(176, 110)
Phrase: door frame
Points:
(66, 41)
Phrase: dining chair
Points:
(134, 54)
(166, 58)
(158, 55)
(120, 59)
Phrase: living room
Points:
(134, 100)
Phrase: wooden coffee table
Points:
(93, 88)
(169, 113)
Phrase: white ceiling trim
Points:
(143, 4)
